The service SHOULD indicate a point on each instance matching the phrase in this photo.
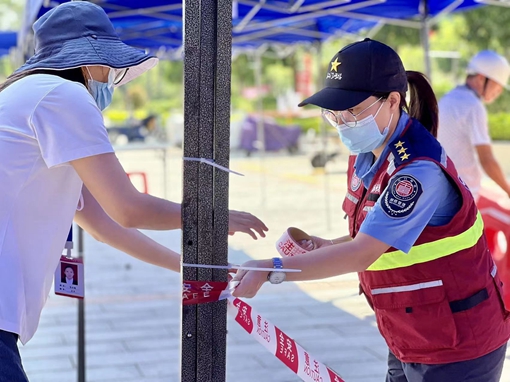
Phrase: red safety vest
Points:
(442, 302)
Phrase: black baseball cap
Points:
(358, 71)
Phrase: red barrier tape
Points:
(301, 362)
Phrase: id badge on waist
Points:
(69, 277)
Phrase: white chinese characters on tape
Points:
(308, 368)
(272, 338)
(195, 292)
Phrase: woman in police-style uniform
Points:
(415, 236)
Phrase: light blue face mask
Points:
(365, 137)
(102, 91)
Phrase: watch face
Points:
(276, 277)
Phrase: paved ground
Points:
(132, 308)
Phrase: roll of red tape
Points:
(287, 245)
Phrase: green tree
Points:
(397, 36)
(11, 14)
(487, 28)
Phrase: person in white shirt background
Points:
(55, 155)
(463, 123)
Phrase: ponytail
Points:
(423, 102)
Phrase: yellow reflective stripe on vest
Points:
(430, 251)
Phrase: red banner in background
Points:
(304, 77)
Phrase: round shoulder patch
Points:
(355, 182)
(401, 195)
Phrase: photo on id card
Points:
(69, 278)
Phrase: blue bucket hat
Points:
(79, 33)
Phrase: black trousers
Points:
(484, 369)
(11, 369)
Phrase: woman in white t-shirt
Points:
(55, 155)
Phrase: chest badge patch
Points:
(355, 183)
(401, 195)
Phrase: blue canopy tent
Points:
(7, 42)
(351, 16)
(157, 24)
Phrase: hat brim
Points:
(90, 51)
(336, 99)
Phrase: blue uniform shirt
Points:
(436, 204)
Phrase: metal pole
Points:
(261, 134)
(158, 82)
(207, 65)
(165, 172)
(324, 140)
(425, 30)
(81, 319)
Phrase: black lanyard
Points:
(69, 242)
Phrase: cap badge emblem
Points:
(334, 65)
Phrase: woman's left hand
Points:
(251, 281)
(239, 221)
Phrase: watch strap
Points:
(277, 263)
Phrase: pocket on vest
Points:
(415, 316)
(498, 286)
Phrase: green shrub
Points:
(499, 126)
(162, 107)
(119, 117)
(137, 96)
(441, 88)
(305, 123)
(501, 104)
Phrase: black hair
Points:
(75, 74)
(423, 102)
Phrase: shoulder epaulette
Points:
(415, 142)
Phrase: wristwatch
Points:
(276, 277)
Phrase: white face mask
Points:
(366, 136)
(101, 91)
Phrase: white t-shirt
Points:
(462, 127)
(45, 122)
